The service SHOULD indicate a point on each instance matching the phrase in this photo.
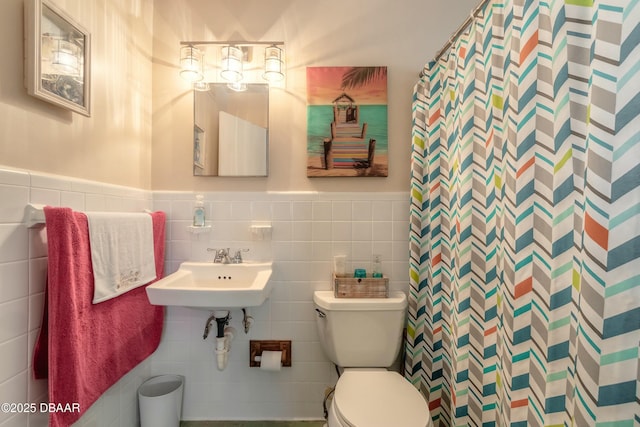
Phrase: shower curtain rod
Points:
(459, 31)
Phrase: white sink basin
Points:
(213, 286)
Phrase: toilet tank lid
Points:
(325, 299)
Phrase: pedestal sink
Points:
(213, 286)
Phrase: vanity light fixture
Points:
(273, 64)
(191, 63)
(232, 59)
(201, 86)
(237, 62)
(238, 86)
(65, 58)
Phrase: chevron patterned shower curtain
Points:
(525, 219)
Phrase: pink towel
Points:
(89, 347)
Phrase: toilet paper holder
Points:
(256, 347)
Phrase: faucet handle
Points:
(220, 254)
(237, 258)
(215, 254)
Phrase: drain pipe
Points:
(223, 347)
(224, 336)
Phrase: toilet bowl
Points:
(364, 336)
(377, 398)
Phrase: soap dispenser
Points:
(199, 212)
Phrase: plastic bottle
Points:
(340, 265)
(377, 266)
(199, 212)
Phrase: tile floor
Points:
(252, 423)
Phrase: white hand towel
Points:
(121, 252)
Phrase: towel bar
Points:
(34, 215)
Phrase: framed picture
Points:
(58, 57)
(347, 122)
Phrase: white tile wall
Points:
(308, 229)
(23, 270)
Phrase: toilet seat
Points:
(378, 398)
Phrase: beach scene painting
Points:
(347, 122)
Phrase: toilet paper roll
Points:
(271, 361)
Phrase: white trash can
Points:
(160, 400)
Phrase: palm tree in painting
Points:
(361, 76)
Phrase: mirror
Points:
(231, 131)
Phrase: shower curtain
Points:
(525, 219)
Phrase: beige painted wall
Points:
(402, 35)
(114, 144)
(141, 137)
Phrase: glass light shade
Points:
(201, 86)
(191, 63)
(65, 58)
(231, 64)
(273, 64)
(237, 86)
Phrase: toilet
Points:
(364, 336)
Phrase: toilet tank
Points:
(360, 332)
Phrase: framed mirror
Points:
(231, 131)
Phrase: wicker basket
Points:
(352, 287)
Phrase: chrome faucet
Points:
(221, 257)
